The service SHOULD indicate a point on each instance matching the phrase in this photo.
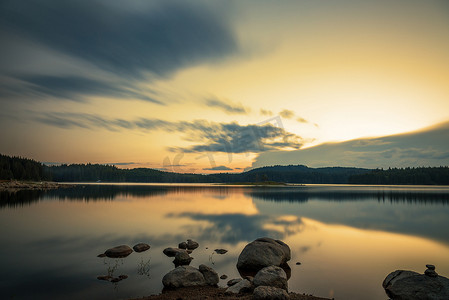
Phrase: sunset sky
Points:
(206, 86)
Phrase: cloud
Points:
(121, 164)
(302, 120)
(288, 114)
(266, 112)
(208, 136)
(235, 138)
(76, 88)
(219, 168)
(227, 106)
(159, 38)
(73, 49)
(423, 148)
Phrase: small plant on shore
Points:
(144, 267)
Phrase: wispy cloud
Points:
(286, 113)
(227, 106)
(208, 136)
(290, 114)
(77, 88)
(121, 164)
(266, 112)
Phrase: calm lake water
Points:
(347, 238)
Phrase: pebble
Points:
(221, 251)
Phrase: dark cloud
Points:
(159, 38)
(227, 106)
(70, 49)
(211, 136)
(235, 138)
(218, 168)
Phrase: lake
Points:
(347, 238)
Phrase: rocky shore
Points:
(262, 265)
(15, 185)
(211, 292)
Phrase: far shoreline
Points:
(17, 185)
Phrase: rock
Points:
(182, 259)
(183, 276)
(123, 276)
(234, 281)
(410, 285)
(119, 251)
(224, 276)
(430, 271)
(101, 255)
(221, 251)
(182, 245)
(269, 293)
(271, 276)
(116, 279)
(250, 279)
(298, 263)
(209, 274)
(192, 245)
(262, 253)
(240, 287)
(141, 247)
(171, 252)
(395, 276)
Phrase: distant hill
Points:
(26, 169)
(287, 174)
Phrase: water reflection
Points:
(410, 195)
(346, 238)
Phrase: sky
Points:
(223, 86)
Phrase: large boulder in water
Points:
(119, 251)
(183, 276)
(410, 285)
(263, 252)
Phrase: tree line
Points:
(19, 168)
(404, 176)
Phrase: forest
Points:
(18, 168)
(404, 176)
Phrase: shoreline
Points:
(18, 185)
(211, 292)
